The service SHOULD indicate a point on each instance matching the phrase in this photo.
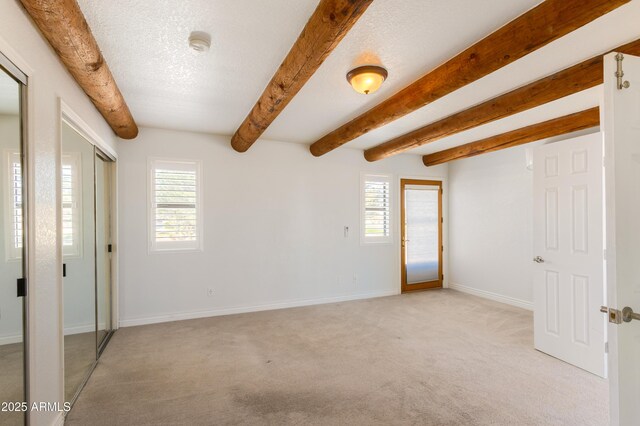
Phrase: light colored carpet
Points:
(11, 382)
(430, 358)
(80, 354)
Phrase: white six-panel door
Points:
(568, 245)
(621, 122)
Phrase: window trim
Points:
(174, 246)
(380, 177)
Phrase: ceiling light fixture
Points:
(367, 79)
(200, 41)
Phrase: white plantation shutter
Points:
(71, 199)
(16, 201)
(175, 205)
(13, 201)
(376, 208)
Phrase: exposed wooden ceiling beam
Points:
(330, 22)
(541, 25)
(62, 23)
(577, 78)
(547, 129)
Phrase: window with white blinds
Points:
(71, 204)
(376, 209)
(13, 238)
(175, 222)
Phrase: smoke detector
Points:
(200, 41)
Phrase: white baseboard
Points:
(7, 340)
(255, 308)
(76, 329)
(493, 296)
(84, 328)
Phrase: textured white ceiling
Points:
(166, 84)
(169, 86)
(9, 95)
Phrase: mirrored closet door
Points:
(103, 246)
(13, 245)
(86, 230)
(78, 242)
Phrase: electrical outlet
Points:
(210, 292)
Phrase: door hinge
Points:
(21, 287)
(64, 270)
(441, 248)
(619, 73)
(109, 248)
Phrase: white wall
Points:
(491, 226)
(49, 81)
(273, 229)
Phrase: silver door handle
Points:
(538, 259)
(618, 317)
(628, 315)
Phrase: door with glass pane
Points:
(421, 222)
(12, 247)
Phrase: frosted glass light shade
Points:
(367, 79)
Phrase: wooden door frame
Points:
(404, 287)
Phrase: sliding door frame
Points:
(22, 80)
(404, 287)
(110, 162)
(79, 125)
(71, 118)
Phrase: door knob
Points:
(617, 317)
(628, 315)
(538, 259)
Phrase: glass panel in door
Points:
(79, 282)
(11, 250)
(421, 234)
(103, 243)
